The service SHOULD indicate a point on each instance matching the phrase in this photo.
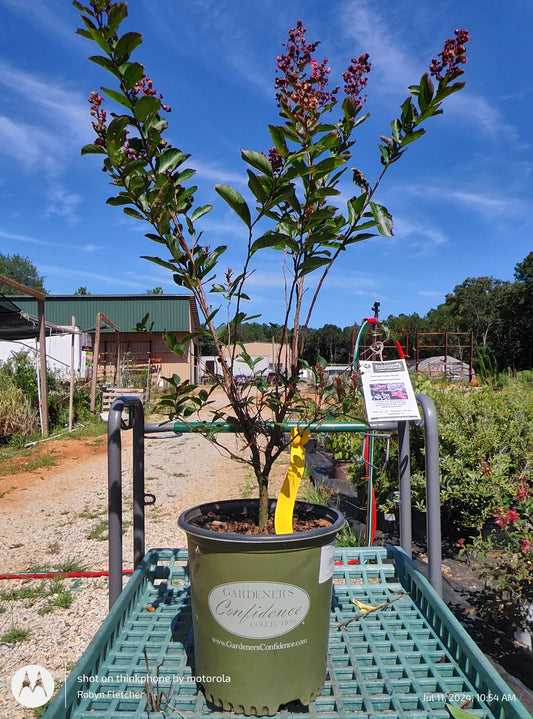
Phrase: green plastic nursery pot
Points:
(261, 606)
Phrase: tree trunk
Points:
(263, 502)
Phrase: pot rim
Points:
(320, 510)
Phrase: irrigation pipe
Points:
(76, 575)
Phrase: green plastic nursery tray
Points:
(408, 659)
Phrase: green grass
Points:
(315, 494)
(70, 565)
(34, 461)
(99, 531)
(15, 634)
(88, 513)
(348, 538)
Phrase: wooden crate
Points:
(110, 394)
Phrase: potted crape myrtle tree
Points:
(260, 586)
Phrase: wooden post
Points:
(96, 350)
(100, 317)
(43, 404)
(71, 390)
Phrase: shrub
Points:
(16, 413)
(485, 447)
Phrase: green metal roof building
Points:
(169, 313)
(176, 314)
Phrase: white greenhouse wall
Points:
(57, 353)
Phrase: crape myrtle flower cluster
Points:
(304, 94)
(142, 88)
(451, 58)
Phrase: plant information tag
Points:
(388, 392)
(327, 563)
(258, 610)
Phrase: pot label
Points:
(327, 563)
(258, 610)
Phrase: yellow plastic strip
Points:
(287, 495)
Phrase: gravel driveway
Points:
(56, 517)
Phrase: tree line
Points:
(498, 313)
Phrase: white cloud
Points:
(63, 204)
(211, 172)
(22, 142)
(374, 33)
(31, 240)
(44, 15)
(482, 115)
(111, 280)
(431, 293)
(59, 107)
(418, 238)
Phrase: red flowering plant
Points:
(507, 555)
(294, 207)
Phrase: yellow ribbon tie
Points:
(287, 496)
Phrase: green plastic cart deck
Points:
(408, 659)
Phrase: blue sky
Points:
(461, 197)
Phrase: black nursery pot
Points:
(261, 606)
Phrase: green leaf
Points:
(396, 128)
(412, 136)
(328, 165)
(119, 200)
(117, 97)
(170, 159)
(383, 219)
(448, 90)
(257, 160)
(355, 206)
(321, 362)
(235, 201)
(256, 187)
(425, 93)
(274, 241)
(95, 35)
(146, 105)
(185, 175)
(127, 44)
(360, 237)
(134, 213)
(458, 713)
(116, 13)
(159, 261)
(313, 263)
(116, 127)
(81, 8)
(93, 150)
(106, 63)
(200, 212)
(133, 74)
(278, 137)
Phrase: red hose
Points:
(50, 575)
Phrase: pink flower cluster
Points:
(146, 87)
(504, 520)
(304, 92)
(524, 490)
(453, 55)
(100, 115)
(355, 79)
(275, 160)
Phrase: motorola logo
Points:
(32, 686)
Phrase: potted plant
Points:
(259, 620)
